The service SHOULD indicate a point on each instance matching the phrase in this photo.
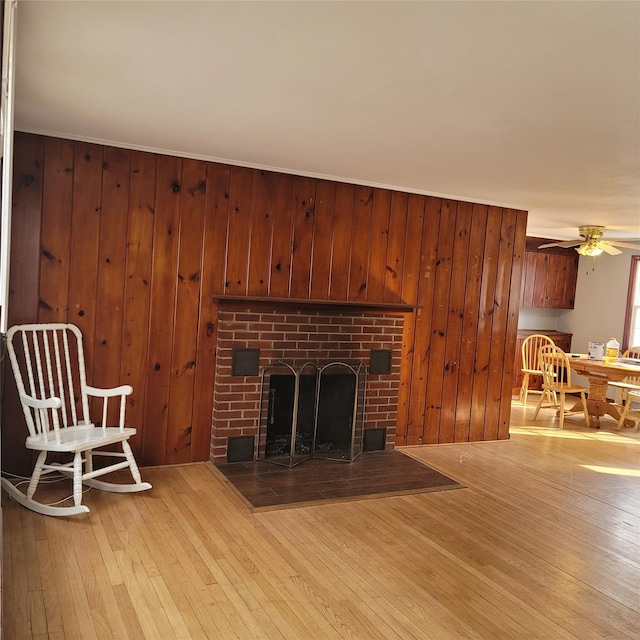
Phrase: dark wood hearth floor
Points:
(373, 474)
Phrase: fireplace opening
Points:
(313, 412)
(280, 412)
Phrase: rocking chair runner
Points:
(48, 366)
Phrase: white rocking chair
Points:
(49, 358)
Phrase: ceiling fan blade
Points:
(566, 244)
(624, 245)
(607, 248)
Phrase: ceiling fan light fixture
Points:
(592, 244)
(589, 249)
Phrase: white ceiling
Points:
(532, 105)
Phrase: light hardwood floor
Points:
(544, 542)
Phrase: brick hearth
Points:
(296, 337)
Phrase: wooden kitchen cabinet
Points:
(549, 276)
(561, 339)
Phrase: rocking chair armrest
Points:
(36, 403)
(123, 390)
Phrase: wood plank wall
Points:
(138, 248)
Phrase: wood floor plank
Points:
(129, 613)
(448, 576)
(15, 611)
(192, 595)
(542, 541)
(268, 568)
(74, 608)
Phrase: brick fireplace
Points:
(297, 336)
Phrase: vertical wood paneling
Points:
(408, 215)
(405, 387)
(164, 273)
(282, 240)
(25, 232)
(23, 287)
(412, 249)
(111, 271)
(530, 280)
(360, 243)
(204, 379)
(216, 225)
(183, 362)
(56, 229)
(523, 292)
(497, 364)
(239, 231)
(85, 234)
(321, 258)
(395, 258)
(193, 227)
(216, 214)
(262, 204)
(508, 374)
(303, 224)
(485, 317)
(439, 321)
(451, 373)
(85, 243)
(341, 242)
(137, 289)
(378, 246)
(470, 322)
(422, 341)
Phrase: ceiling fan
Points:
(592, 244)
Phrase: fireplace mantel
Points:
(351, 305)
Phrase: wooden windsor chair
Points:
(632, 397)
(556, 381)
(530, 364)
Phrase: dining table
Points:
(599, 374)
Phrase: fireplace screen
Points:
(311, 412)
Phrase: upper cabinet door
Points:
(550, 275)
